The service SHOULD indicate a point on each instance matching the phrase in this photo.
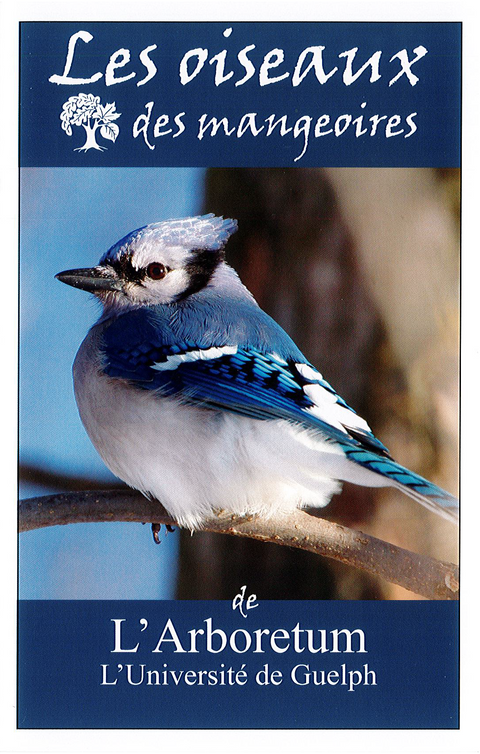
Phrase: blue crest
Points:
(206, 232)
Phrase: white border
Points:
(465, 740)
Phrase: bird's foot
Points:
(156, 529)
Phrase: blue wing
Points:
(264, 386)
(248, 382)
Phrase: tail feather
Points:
(440, 502)
(424, 492)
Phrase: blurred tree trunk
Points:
(406, 228)
(360, 268)
(295, 255)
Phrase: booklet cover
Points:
(321, 161)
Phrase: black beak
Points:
(92, 279)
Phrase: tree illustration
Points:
(85, 110)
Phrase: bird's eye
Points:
(156, 270)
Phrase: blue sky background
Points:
(69, 217)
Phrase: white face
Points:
(154, 291)
(158, 285)
(158, 277)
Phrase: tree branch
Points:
(41, 475)
(421, 574)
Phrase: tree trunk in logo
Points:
(91, 141)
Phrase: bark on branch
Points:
(421, 574)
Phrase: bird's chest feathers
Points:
(114, 409)
(140, 436)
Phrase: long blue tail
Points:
(428, 494)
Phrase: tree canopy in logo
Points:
(85, 110)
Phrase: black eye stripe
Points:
(124, 268)
(200, 269)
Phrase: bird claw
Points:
(155, 530)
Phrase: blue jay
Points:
(196, 397)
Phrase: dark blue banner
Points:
(262, 665)
(240, 94)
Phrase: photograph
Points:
(355, 344)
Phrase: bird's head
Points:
(161, 263)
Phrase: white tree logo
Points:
(85, 110)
